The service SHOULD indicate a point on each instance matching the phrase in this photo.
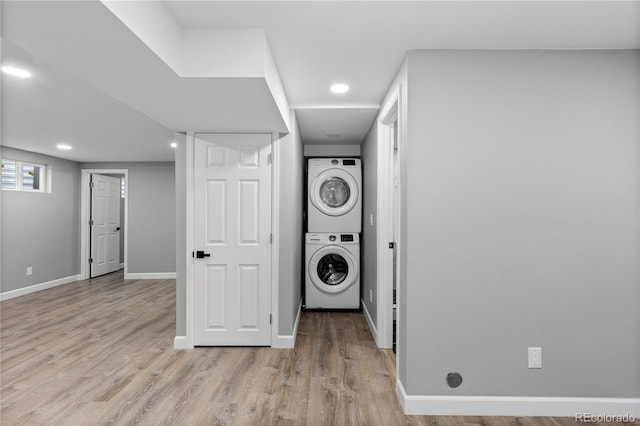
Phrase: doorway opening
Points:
(90, 231)
(389, 219)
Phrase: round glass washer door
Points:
(332, 269)
(334, 192)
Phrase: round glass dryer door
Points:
(334, 192)
(332, 269)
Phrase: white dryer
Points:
(335, 195)
(333, 271)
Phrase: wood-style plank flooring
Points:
(100, 352)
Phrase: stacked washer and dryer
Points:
(332, 242)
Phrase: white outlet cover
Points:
(535, 357)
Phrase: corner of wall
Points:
(288, 341)
(181, 231)
(272, 77)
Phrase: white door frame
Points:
(190, 182)
(85, 205)
(389, 114)
(275, 231)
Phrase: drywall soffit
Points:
(198, 80)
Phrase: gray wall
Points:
(290, 224)
(369, 236)
(123, 231)
(41, 229)
(152, 215)
(181, 234)
(522, 223)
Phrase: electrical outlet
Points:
(370, 295)
(535, 357)
(29, 270)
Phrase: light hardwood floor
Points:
(99, 352)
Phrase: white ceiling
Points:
(314, 44)
(86, 40)
(53, 107)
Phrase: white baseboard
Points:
(447, 405)
(372, 326)
(150, 276)
(282, 342)
(38, 287)
(289, 341)
(180, 342)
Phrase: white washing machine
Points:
(333, 271)
(335, 195)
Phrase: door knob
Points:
(200, 254)
(118, 228)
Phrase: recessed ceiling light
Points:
(174, 145)
(340, 88)
(63, 146)
(16, 72)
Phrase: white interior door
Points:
(232, 227)
(105, 225)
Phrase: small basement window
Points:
(23, 176)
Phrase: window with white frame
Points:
(23, 176)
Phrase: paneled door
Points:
(232, 240)
(105, 225)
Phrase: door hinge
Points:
(270, 318)
(91, 260)
(392, 245)
(91, 184)
(91, 223)
(270, 158)
(271, 238)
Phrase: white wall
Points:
(290, 227)
(522, 223)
